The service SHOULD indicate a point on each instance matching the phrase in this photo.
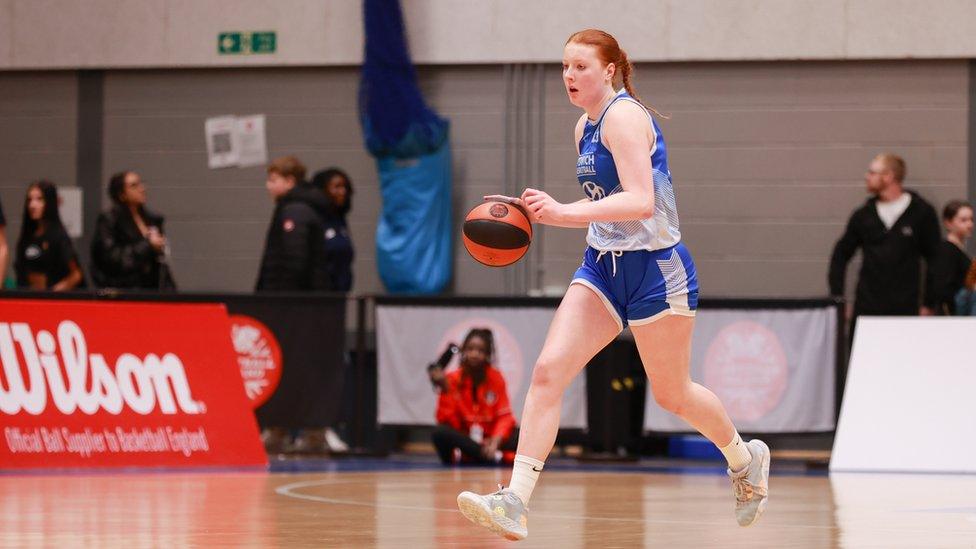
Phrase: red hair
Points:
(609, 51)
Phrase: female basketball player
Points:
(635, 271)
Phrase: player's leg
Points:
(582, 326)
(665, 349)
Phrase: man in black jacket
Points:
(894, 229)
(294, 251)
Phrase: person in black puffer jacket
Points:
(129, 249)
(294, 250)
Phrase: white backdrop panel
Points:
(773, 369)
(410, 337)
(909, 402)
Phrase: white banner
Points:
(773, 369)
(909, 405)
(410, 337)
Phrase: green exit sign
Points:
(246, 43)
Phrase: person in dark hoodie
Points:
(129, 249)
(337, 187)
(894, 229)
(294, 250)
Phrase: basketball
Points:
(497, 234)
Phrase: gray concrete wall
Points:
(768, 159)
(38, 126)
(183, 33)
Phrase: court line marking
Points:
(287, 490)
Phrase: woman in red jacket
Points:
(473, 414)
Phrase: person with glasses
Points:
(894, 229)
(129, 248)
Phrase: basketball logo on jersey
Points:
(586, 164)
(596, 136)
(593, 191)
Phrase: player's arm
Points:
(625, 130)
(578, 133)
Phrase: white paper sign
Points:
(223, 145)
(72, 216)
(253, 143)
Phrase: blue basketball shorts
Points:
(641, 286)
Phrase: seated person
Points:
(474, 420)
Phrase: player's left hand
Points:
(543, 208)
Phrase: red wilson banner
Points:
(88, 384)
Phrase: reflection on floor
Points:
(409, 502)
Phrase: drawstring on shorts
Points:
(614, 255)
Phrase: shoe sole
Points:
(474, 508)
(762, 504)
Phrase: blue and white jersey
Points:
(597, 174)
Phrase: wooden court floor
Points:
(415, 509)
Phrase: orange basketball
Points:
(497, 234)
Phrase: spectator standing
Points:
(965, 299)
(4, 251)
(129, 248)
(339, 253)
(894, 229)
(474, 418)
(46, 259)
(294, 250)
(337, 186)
(293, 261)
(948, 271)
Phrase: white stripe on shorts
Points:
(603, 298)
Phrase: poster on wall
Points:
(253, 143)
(410, 337)
(69, 204)
(223, 148)
(236, 141)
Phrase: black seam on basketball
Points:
(498, 264)
(496, 234)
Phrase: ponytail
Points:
(625, 68)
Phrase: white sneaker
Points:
(751, 485)
(502, 512)
(333, 442)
